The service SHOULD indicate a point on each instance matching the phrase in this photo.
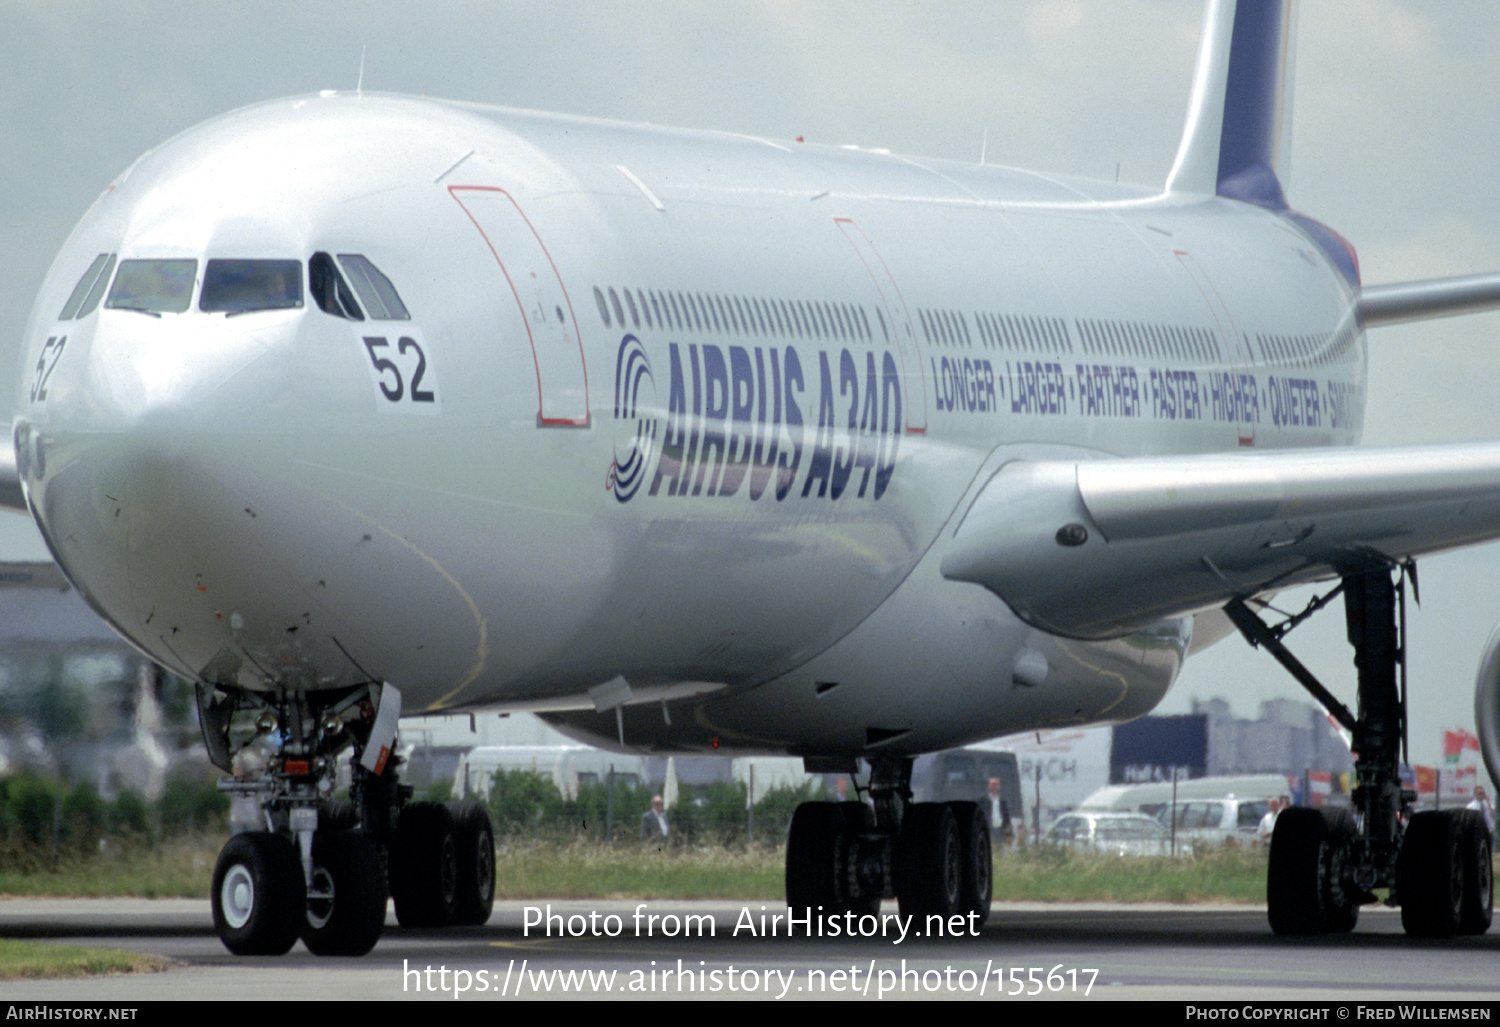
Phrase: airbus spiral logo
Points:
(635, 435)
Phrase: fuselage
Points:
(561, 413)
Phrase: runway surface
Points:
(1026, 951)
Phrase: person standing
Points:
(654, 826)
(1268, 822)
(1001, 827)
(1481, 802)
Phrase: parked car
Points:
(1156, 796)
(1121, 834)
(1208, 823)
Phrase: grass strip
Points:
(1063, 875)
(35, 959)
(176, 868)
(530, 867)
(581, 870)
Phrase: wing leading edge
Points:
(1096, 549)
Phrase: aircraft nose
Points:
(226, 492)
(136, 428)
(171, 471)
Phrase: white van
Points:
(1152, 799)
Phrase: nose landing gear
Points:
(322, 869)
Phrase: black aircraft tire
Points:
(336, 815)
(349, 919)
(1477, 908)
(424, 866)
(811, 852)
(1429, 875)
(929, 862)
(258, 895)
(474, 845)
(978, 865)
(1292, 901)
(1341, 913)
(856, 819)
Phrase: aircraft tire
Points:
(1477, 908)
(424, 866)
(474, 846)
(978, 861)
(929, 862)
(258, 894)
(335, 815)
(1340, 913)
(811, 856)
(1430, 875)
(858, 819)
(347, 919)
(1294, 903)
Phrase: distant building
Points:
(79, 703)
(1288, 738)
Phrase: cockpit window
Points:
(153, 286)
(329, 290)
(241, 286)
(89, 288)
(375, 289)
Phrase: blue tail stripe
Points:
(1252, 103)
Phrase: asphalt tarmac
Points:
(719, 950)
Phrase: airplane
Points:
(353, 405)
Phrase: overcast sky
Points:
(1395, 144)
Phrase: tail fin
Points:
(1236, 125)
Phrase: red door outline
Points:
(562, 383)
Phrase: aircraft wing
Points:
(1400, 302)
(1096, 549)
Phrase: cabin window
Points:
(242, 286)
(153, 286)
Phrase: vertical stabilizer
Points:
(1234, 133)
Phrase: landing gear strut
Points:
(309, 866)
(1325, 864)
(932, 857)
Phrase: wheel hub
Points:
(320, 899)
(237, 896)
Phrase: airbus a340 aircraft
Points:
(351, 405)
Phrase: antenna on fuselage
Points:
(359, 88)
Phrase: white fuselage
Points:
(696, 411)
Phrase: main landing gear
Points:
(304, 865)
(932, 857)
(1324, 864)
